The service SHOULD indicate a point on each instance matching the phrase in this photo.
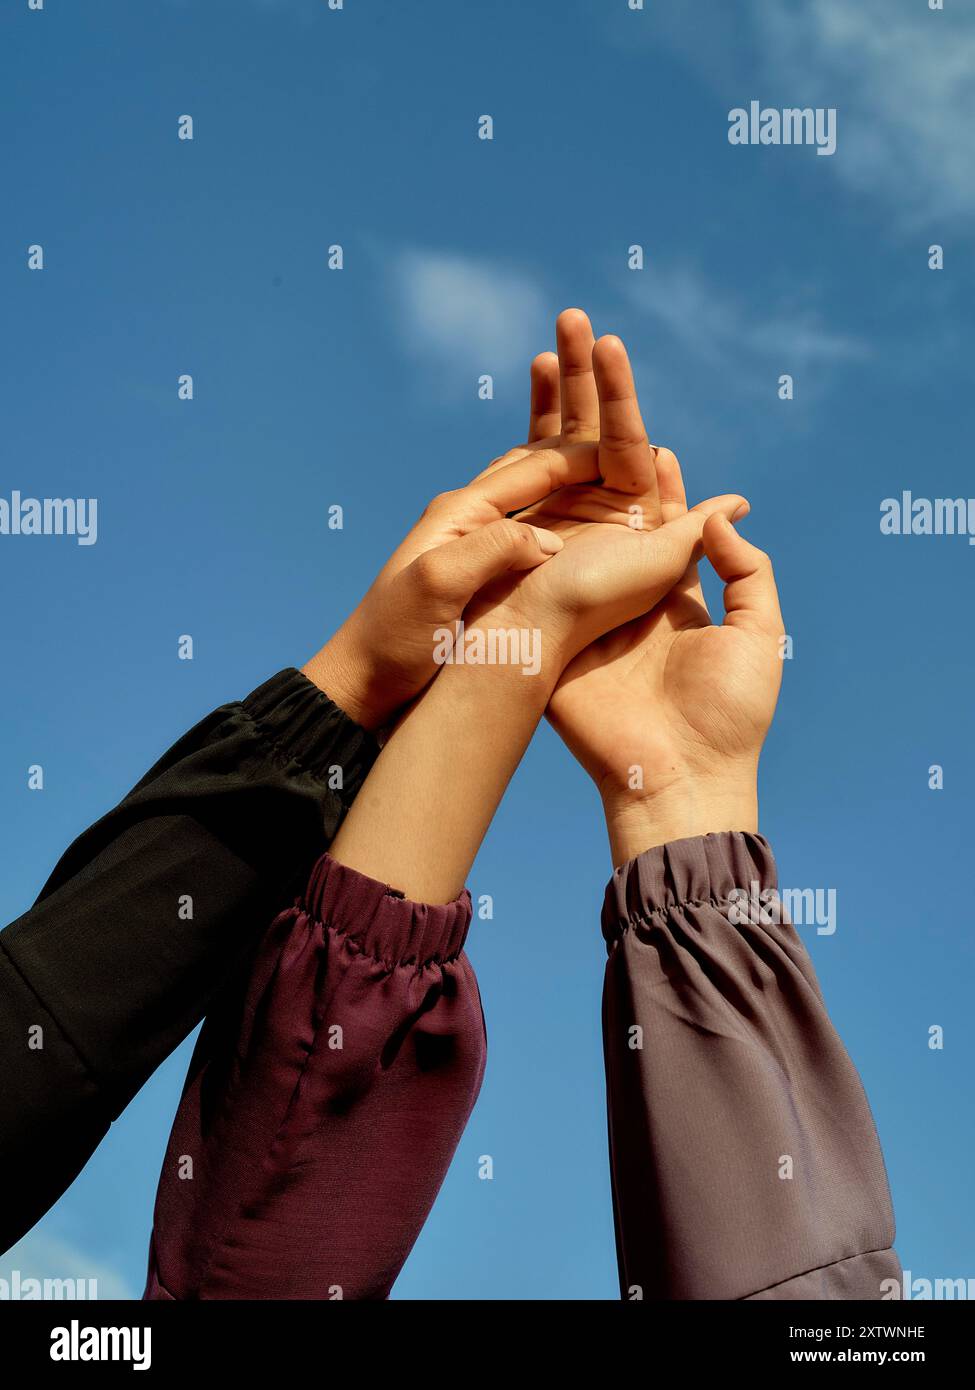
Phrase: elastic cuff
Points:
(307, 727)
(705, 868)
(380, 921)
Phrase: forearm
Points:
(744, 1158)
(425, 807)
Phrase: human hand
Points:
(668, 713)
(620, 554)
(383, 654)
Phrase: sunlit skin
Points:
(382, 655)
(669, 700)
(421, 816)
(580, 490)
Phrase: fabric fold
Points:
(148, 913)
(701, 870)
(325, 1099)
(383, 923)
(743, 1153)
(306, 726)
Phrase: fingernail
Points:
(742, 510)
(548, 541)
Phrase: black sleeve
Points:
(147, 914)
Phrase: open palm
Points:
(669, 694)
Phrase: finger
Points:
(454, 571)
(625, 457)
(668, 553)
(577, 385)
(673, 503)
(553, 441)
(534, 475)
(670, 484)
(751, 600)
(688, 530)
(730, 504)
(545, 415)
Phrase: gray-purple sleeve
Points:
(745, 1162)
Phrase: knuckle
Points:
(628, 439)
(428, 573)
(441, 503)
(575, 427)
(509, 532)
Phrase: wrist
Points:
(342, 673)
(421, 816)
(506, 649)
(527, 608)
(493, 679)
(636, 820)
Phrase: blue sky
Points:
(314, 387)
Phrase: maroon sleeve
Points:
(324, 1102)
(744, 1158)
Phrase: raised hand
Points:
(668, 713)
(383, 654)
(620, 553)
(421, 815)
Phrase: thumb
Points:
(456, 570)
(750, 596)
(670, 550)
(684, 534)
(728, 504)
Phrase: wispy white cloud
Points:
(691, 339)
(40, 1256)
(899, 74)
(468, 314)
(718, 329)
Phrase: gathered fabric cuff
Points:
(380, 922)
(686, 873)
(744, 1157)
(326, 1096)
(307, 728)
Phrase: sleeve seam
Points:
(88, 1069)
(817, 1269)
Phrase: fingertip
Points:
(549, 543)
(716, 525)
(609, 343)
(728, 505)
(573, 318)
(544, 362)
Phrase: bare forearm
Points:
(420, 818)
